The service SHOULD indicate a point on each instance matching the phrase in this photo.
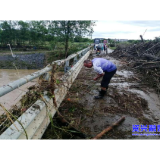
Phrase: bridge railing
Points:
(33, 123)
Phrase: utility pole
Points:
(115, 42)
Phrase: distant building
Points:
(102, 39)
(119, 40)
(123, 40)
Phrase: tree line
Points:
(42, 32)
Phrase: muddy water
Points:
(7, 76)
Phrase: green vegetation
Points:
(113, 48)
(44, 35)
(123, 44)
(60, 53)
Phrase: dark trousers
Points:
(106, 78)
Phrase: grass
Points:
(113, 48)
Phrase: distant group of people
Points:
(100, 47)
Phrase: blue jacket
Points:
(101, 65)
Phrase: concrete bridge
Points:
(34, 121)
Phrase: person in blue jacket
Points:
(105, 69)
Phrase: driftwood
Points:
(149, 57)
(137, 50)
(143, 58)
(109, 128)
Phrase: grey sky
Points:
(126, 29)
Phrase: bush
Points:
(72, 49)
(112, 45)
(51, 45)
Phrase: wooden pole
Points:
(109, 128)
(142, 39)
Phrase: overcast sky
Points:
(126, 29)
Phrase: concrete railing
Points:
(33, 123)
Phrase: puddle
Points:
(126, 74)
(124, 85)
(153, 103)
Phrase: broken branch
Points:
(109, 128)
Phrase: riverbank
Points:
(36, 59)
(23, 61)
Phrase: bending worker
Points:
(105, 69)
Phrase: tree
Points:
(78, 39)
(67, 30)
(23, 33)
(38, 32)
(6, 34)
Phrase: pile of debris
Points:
(143, 58)
(146, 51)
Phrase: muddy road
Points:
(126, 96)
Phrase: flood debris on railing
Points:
(48, 84)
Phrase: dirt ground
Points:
(127, 96)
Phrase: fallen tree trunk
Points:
(109, 128)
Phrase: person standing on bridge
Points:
(105, 48)
(105, 69)
(98, 48)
